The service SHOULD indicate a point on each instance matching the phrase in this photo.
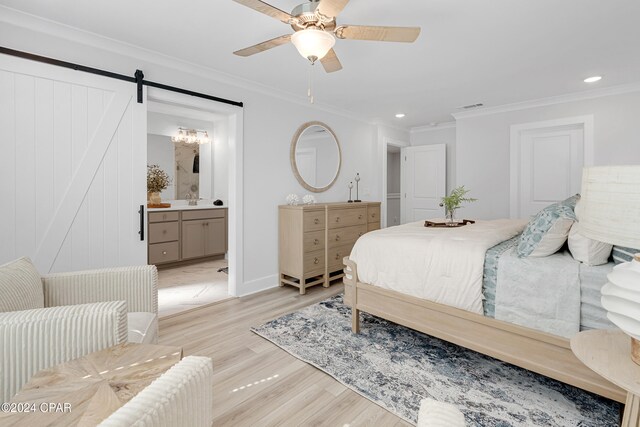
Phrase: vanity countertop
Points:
(186, 208)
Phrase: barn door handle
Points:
(141, 232)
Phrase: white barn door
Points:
(424, 181)
(72, 168)
(546, 165)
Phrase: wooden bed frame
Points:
(537, 351)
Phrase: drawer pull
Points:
(360, 234)
(337, 219)
(164, 252)
(164, 231)
(164, 216)
(337, 237)
(373, 215)
(316, 242)
(337, 256)
(316, 221)
(316, 261)
(360, 216)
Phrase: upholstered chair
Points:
(49, 320)
(182, 396)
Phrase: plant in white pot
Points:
(453, 202)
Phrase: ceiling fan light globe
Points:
(313, 43)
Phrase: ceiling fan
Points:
(316, 30)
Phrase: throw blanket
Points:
(438, 264)
(540, 293)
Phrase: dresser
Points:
(186, 234)
(313, 239)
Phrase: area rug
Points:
(397, 367)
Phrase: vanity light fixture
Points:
(400, 115)
(191, 136)
(592, 79)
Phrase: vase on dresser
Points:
(153, 197)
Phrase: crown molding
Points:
(48, 27)
(552, 100)
(430, 128)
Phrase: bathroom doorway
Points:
(193, 232)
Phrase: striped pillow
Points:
(621, 254)
(20, 286)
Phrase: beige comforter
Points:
(437, 264)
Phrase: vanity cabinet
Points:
(313, 240)
(184, 235)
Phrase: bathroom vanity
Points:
(184, 233)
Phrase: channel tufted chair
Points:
(49, 320)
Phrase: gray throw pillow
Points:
(20, 286)
(621, 254)
(543, 221)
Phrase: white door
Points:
(548, 167)
(424, 179)
(72, 169)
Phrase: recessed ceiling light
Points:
(399, 115)
(592, 79)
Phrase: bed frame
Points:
(537, 351)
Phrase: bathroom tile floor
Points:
(187, 287)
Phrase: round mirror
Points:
(315, 156)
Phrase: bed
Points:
(462, 310)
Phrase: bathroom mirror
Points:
(315, 156)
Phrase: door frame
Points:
(235, 117)
(587, 123)
(386, 141)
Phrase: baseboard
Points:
(258, 285)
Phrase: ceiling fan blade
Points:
(381, 34)
(261, 47)
(331, 8)
(330, 62)
(267, 9)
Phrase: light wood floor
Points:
(258, 384)
(191, 286)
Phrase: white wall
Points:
(435, 135)
(270, 120)
(220, 147)
(160, 151)
(482, 145)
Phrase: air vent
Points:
(470, 106)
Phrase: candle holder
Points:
(357, 180)
(350, 188)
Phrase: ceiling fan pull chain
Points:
(310, 90)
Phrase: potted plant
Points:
(453, 202)
(157, 180)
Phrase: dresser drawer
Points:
(204, 214)
(163, 232)
(163, 216)
(335, 256)
(346, 235)
(314, 261)
(163, 252)
(347, 217)
(313, 220)
(313, 240)
(374, 214)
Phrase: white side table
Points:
(608, 353)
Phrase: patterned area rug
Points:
(397, 367)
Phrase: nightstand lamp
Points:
(610, 213)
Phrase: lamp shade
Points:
(313, 44)
(610, 205)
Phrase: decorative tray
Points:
(445, 225)
(158, 205)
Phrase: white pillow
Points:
(553, 239)
(586, 250)
(20, 286)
